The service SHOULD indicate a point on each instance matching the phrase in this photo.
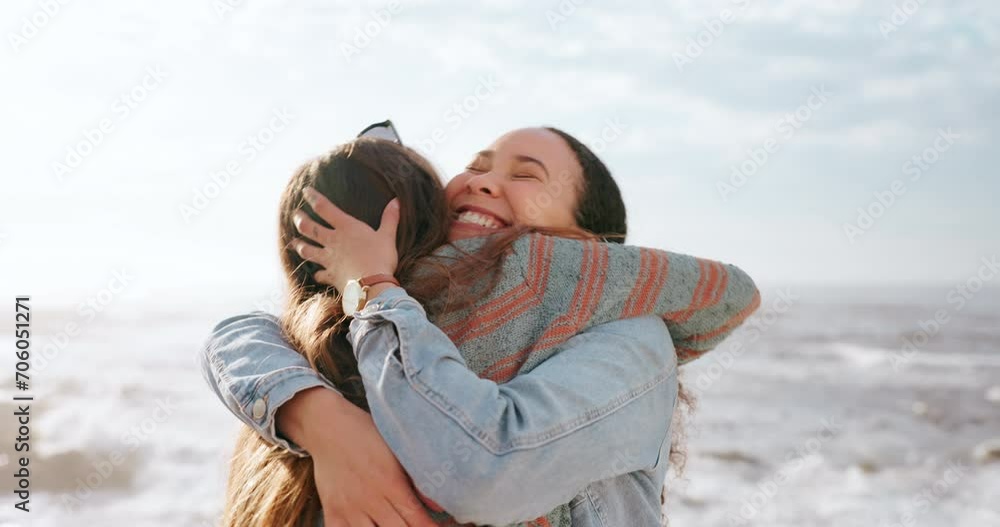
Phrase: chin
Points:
(461, 231)
(456, 234)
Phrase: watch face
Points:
(351, 297)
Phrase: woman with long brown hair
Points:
(269, 486)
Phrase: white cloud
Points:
(910, 86)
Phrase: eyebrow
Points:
(488, 154)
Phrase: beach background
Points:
(840, 152)
(824, 419)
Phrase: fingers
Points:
(327, 210)
(361, 521)
(414, 514)
(317, 255)
(325, 277)
(312, 230)
(404, 499)
(310, 252)
(333, 520)
(390, 219)
(386, 516)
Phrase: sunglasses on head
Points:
(384, 130)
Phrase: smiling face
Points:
(526, 177)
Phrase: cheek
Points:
(564, 211)
(523, 209)
(455, 186)
(542, 209)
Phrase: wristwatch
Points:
(355, 294)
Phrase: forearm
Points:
(721, 298)
(254, 372)
(497, 454)
(701, 301)
(290, 419)
(293, 418)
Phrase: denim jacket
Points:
(590, 426)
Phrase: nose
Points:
(483, 184)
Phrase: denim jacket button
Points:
(259, 408)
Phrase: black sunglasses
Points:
(384, 130)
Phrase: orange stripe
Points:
(586, 296)
(642, 284)
(688, 354)
(516, 359)
(570, 323)
(637, 287)
(684, 314)
(713, 281)
(484, 314)
(533, 291)
(594, 290)
(490, 317)
(485, 323)
(647, 298)
(503, 370)
(538, 275)
(708, 292)
(704, 277)
(662, 266)
(733, 322)
(535, 256)
(720, 290)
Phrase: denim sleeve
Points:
(499, 454)
(253, 370)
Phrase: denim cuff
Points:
(270, 394)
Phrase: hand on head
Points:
(351, 249)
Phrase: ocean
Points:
(822, 415)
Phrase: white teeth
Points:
(478, 219)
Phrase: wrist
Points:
(377, 289)
(299, 419)
(358, 292)
(370, 271)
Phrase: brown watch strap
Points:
(373, 279)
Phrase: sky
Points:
(808, 142)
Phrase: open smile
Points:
(469, 215)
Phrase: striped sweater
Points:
(554, 288)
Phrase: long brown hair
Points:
(267, 485)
